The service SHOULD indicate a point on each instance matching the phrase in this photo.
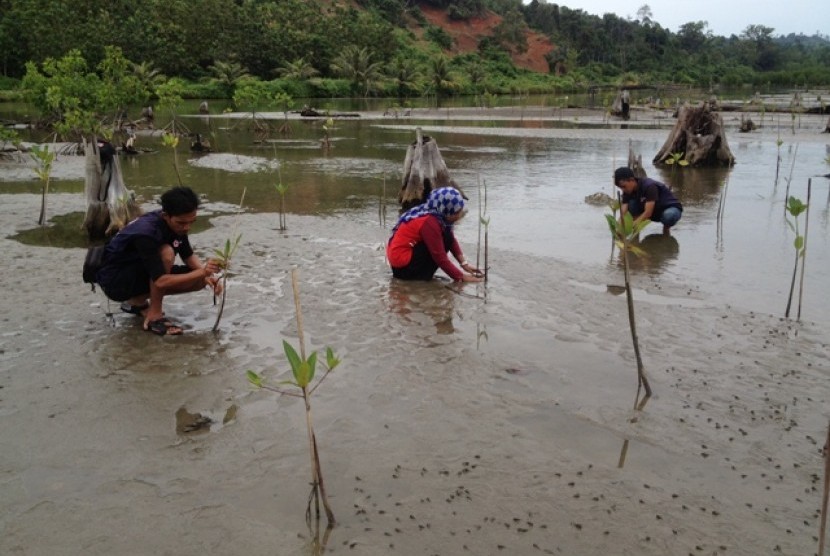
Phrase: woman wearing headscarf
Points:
(423, 236)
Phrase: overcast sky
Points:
(725, 17)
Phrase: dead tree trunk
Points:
(699, 136)
(423, 170)
(110, 205)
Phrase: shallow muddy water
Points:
(486, 419)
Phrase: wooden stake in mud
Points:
(823, 528)
(804, 252)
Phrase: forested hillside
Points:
(399, 47)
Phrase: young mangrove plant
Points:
(223, 257)
(303, 370)
(790, 178)
(483, 224)
(172, 140)
(795, 207)
(281, 190)
(624, 230)
(778, 144)
(325, 142)
(804, 249)
(43, 168)
(676, 159)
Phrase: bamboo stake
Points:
(480, 214)
(804, 250)
(823, 527)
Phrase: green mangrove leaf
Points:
(312, 365)
(798, 243)
(303, 374)
(636, 250)
(612, 223)
(293, 358)
(640, 226)
(331, 360)
(254, 379)
(628, 224)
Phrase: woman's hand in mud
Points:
(474, 271)
(471, 278)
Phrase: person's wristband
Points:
(464, 262)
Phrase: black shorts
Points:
(132, 280)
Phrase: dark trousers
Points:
(422, 266)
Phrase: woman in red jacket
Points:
(423, 236)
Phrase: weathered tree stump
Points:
(747, 125)
(699, 136)
(423, 170)
(110, 205)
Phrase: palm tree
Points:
(299, 69)
(405, 74)
(356, 64)
(148, 76)
(441, 78)
(228, 74)
(476, 73)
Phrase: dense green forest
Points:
(327, 48)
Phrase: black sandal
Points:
(163, 327)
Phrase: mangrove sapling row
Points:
(43, 168)
(303, 370)
(795, 207)
(624, 230)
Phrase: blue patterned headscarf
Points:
(442, 202)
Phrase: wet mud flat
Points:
(486, 420)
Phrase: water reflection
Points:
(411, 300)
(698, 186)
(660, 251)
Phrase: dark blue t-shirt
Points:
(139, 242)
(649, 190)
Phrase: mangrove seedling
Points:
(778, 144)
(223, 258)
(281, 190)
(676, 159)
(795, 207)
(303, 370)
(43, 168)
(172, 140)
(325, 142)
(804, 249)
(624, 230)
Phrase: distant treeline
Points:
(387, 47)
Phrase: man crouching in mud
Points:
(139, 261)
(648, 199)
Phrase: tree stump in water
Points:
(699, 136)
(423, 170)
